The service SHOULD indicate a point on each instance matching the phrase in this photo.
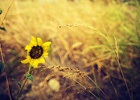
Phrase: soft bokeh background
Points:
(98, 37)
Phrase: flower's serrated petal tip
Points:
(33, 38)
(46, 49)
(31, 45)
(33, 41)
(46, 44)
(49, 43)
(39, 41)
(27, 60)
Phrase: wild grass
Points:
(97, 43)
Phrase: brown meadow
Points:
(94, 52)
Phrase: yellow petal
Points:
(46, 48)
(28, 48)
(45, 54)
(35, 64)
(39, 41)
(33, 41)
(27, 60)
(46, 44)
(31, 62)
(41, 60)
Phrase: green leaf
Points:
(3, 28)
(0, 11)
(2, 66)
(17, 82)
(29, 76)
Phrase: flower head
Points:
(36, 51)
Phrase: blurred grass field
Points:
(100, 39)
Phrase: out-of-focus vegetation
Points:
(95, 51)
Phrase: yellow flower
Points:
(36, 51)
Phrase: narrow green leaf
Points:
(29, 76)
(2, 66)
(17, 82)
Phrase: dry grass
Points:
(96, 42)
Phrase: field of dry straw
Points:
(95, 50)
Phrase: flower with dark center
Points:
(36, 51)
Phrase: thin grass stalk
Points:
(1, 54)
(8, 88)
(118, 62)
(1, 22)
(95, 80)
(30, 67)
(7, 83)
(97, 87)
(116, 93)
(86, 89)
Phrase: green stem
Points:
(21, 88)
(29, 70)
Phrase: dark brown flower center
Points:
(36, 52)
